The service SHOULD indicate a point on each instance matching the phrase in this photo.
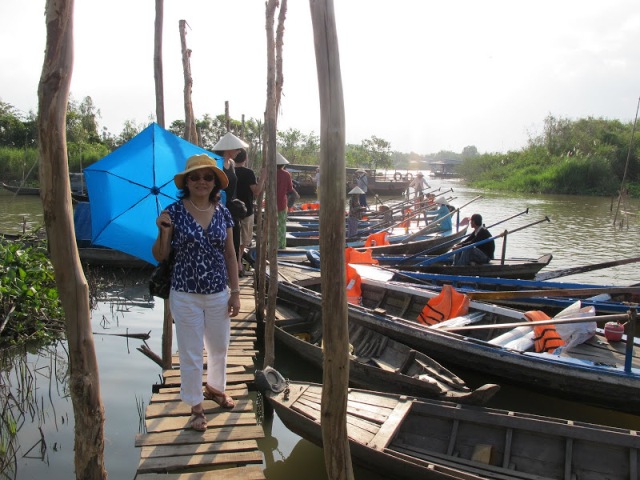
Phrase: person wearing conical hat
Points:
(284, 186)
(355, 211)
(228, 147)
(444, 225)
(362, 182)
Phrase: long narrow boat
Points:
(375, 361)
(411, 438)
(21, 190)
(405, 266)
(602, 297)
(596, 371)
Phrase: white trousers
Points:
(201, 321)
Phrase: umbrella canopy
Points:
(131, 186)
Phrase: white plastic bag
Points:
(576, 333)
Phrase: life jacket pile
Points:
(546, 337)
(448, 304)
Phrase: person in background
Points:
(228, 147)
(355, 212)
(441, 213)
(248, 187)
(362, 182)
(419, 184)
(198, 228)
(476, 255)
(284, 186)
(317, 179)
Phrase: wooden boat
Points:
(551, 297)
(596, 371)
(379, 183)
(404, 266)
(399, 244)
(411, 438)
(375, 361)
(21, 190)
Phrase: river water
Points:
(581, 231)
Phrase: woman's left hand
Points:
(234, 304)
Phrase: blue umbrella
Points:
(131, 186)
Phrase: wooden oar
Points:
(619, 317)
(585, 268)
(554, 292)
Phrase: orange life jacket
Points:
(546, 337)
(352, 255)
(354, 286)
(310, 206)
(378, 238)
(448, 304)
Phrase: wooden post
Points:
(190, 132)
(335, 379)
(270, 144)
(55, 191)
(227, 118)
(157, 62)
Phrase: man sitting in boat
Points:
(477, 255)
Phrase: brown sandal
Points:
(221, 398)
(198, 421)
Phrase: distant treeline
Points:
(586, 156)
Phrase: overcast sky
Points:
(424, 75)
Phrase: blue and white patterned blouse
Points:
(199, 255)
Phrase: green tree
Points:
(379, 151)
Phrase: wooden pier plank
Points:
(240, 473)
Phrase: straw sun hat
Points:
(356, 191)
(197, 162)
(229, 142)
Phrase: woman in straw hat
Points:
(441, 213)
(228, 147)
(198, 229)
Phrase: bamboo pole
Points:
(157, 62)
(190, 132)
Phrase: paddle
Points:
(619, 317)
(552, 292)
(428, 250)
(585, 268)
(436, 222)
(444, 256)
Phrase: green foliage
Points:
(27, 285)
(587, 156)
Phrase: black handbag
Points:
(160, 281)
(237, 208)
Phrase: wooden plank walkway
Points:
(228, 450)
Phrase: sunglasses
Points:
(196, 177)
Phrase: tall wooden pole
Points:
(190, 132)
(335, 379)
(157, 62)
(84, 381)
(271, 210)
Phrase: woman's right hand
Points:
(164, 221)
